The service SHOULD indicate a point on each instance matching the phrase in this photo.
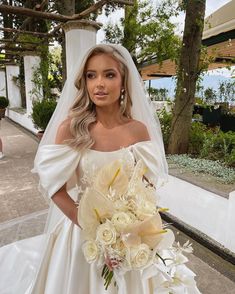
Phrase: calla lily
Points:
(148, 231)
(93, 208)
(111, 176)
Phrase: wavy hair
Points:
(83, 113)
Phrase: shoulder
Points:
(63, 132)
(139, 130)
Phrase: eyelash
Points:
(109, 75)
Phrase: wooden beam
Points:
(58, 17)
(19, 42)
(37, 34)
(5, 60)
(33, 13)
(22, 53)
(15, 48)
(39, 7)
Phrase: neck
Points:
(109, 117)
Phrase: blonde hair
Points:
(82, 113)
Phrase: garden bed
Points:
(203, 180)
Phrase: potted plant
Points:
(41, 113)
(4, 102)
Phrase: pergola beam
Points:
(28, 19)
(19, 42)
(37, 34)
(15, 48)
(55, 16)
(21, 53)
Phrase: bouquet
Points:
(122, 227)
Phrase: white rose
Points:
(139, 256)
(106, 234)
(145, 209)
(90, 251)
(120, 220)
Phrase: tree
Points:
(160, 94)
(187, 75)
(227, 91)
(210, 95)
(146, 31)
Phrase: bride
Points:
(104, 117)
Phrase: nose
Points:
(100, 81)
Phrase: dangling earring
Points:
(122, 97)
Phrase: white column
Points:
(3, 91)
(79, 37)
(13, 91)
(31, 64)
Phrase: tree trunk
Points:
(188, 72)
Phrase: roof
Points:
(221, 21)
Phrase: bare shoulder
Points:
(63, 132)
(139, 130)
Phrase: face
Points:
(103, 80)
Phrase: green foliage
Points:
(212, 144)
(210, 95)
(146, 31)
(42, 112)
(158, 94)
(4, 102)
(55, 68)
(165, 119)
(196, 138)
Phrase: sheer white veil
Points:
(141, 110)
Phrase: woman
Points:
(107, 117)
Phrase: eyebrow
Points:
(109, 69)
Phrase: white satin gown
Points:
(53, 263)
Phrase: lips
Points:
(100, 93)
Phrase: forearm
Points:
(66, 204)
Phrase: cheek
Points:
(89, 87)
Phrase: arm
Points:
(61, 198)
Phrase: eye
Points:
(110, 75)
(90, 75)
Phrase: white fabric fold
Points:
(55, 165)
(148, 152)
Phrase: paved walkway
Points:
(23, 210)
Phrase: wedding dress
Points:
(53, 263)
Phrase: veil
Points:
(141, 110)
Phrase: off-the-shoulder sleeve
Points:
(55, 165)
(147, 151)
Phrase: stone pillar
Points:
(32, 91)
(3, 91)
(80, 35)
(13, 91)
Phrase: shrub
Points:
(212, 143)
(165, 121)
(4, 102)
(42, 112)
(196, 137)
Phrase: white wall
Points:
(201, 209)
(22, 119)
(31, 63)
(2, 83)
(13, 90)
